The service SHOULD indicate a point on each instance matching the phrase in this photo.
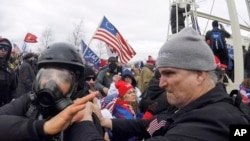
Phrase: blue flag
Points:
(90, 56)
(24, 47)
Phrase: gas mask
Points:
(53, 88)
(112, 66)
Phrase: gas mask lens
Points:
(55, 79)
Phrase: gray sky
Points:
(144, 23)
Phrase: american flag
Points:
(155, 125)
(111, 36)
(16, 49)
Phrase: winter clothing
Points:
(123, 87)
(25, 78)
(8, 81)
(150, 60)
(190, 123)
(222, 53)
(105, 76)
(19, 120)
(192, 53)
(83, 87)
(146, 75)
(247, 63)
(154, 98)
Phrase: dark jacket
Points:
(16, 125)
(7, 85)
(154, 98)
(19, 121)
(207, 118)
(247, 63)
(224, 33)
(221, 53)
(104, 79)
(8, 82)
(25, 78)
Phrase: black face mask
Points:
(49, 98)
(112, 67)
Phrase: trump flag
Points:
(90, 56)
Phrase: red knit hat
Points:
(122, 87)
(151, 60)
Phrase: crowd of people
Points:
(178, 96)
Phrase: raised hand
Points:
(62, 120)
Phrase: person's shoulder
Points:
(209, 31)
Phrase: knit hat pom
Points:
(122, 87)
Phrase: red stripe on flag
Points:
(117, 43)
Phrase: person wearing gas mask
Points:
(105, 76)
(26, 74)
(7, 76)
(47, 113)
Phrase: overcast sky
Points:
(144, 23)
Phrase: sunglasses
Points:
(89, 78)
(4, 47)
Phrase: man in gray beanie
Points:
(205, 111)
(187, 51)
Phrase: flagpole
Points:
(84, 49)
(92, 36)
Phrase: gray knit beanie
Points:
(186, 50)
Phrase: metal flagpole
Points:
(92, 36)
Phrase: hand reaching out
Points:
(62, 120)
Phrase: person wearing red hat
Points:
(123, 108)
(125, 97)
(147, 73)
(7, 75)
(220, 72)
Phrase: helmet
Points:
(61, 55)
(59, 65)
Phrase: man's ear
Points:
(201, 75)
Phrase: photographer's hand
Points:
(62, 120)
(222, 27)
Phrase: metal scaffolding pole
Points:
(248, 8)
(236, 37)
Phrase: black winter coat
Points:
(207, 119)
(8, 84)
(19, 124)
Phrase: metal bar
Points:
(225, 21)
